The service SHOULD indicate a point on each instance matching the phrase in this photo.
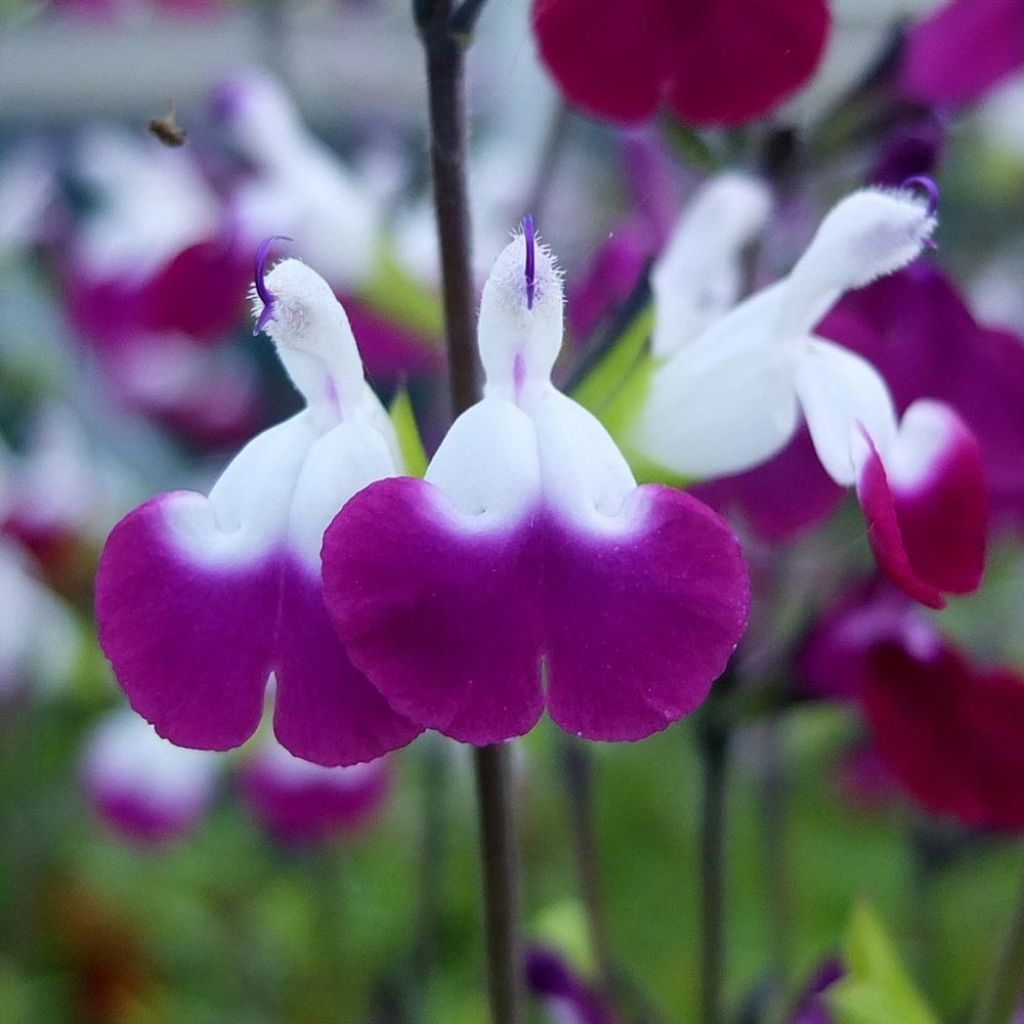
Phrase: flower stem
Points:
(446, 64)
(713, 740)
(501, 883)
(1003, 993)
(579, 784)
(445, 32)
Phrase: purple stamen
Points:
(531, 278)
(260, 281)
(922, 181)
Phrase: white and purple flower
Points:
(299, 802)
(734, 396)
(144, 788)
(199, 598)
(528, 570)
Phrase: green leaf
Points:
(877, 988)
(402, 299)
(563, 926)
(615, 390)
(410, 444)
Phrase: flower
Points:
(919, 333)
(712, 62)
(732, 397)
(947, 728)
(298, 802)
(698, 277)
(143, 787)
(566, 997)
(962, 51)
(199, 598)
(528, 569)
(297, 186)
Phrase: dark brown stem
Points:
(501, 883)
(713, 739)
(445, 35)
(579, 783)
(446, 61)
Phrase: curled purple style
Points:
(926, 184)
(531, 275)
(260, 280)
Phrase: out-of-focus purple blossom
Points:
(911, 150)
(154, 282)
(28, 191)
(962, 51)
(789, 494)
(611, 277)
(917, 331)
(143, 787)
(295, 185)
(391, 351)
(862, 32)
(565, 996)
(813, 1007)
(39, 642)
(300, 802)
(710, 62)
(948, 730)
(62, 499)
(833, 661)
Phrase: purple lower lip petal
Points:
(926, 184)
(260, 280)
(531, 278)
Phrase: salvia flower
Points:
(709, 61)
(146, 789)
(528, 569)
(946, 726)
(297, 185)
(698, 278)
(736, 395)
(199, 599)
(300, 803)
(962, 51)
(566, 997)
(918, 331)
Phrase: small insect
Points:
(167, 129)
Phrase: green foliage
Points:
(410, 444)
(877, 988)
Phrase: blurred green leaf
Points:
(877, 988)
(401, 298)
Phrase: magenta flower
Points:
(529, 570)
(950, 732)
(962, 51)
(709, 61)
(917, 330)
(146, 789)
(565, 996)
(946, 729)
(199, 599)
(299, 802)
(735, 395)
